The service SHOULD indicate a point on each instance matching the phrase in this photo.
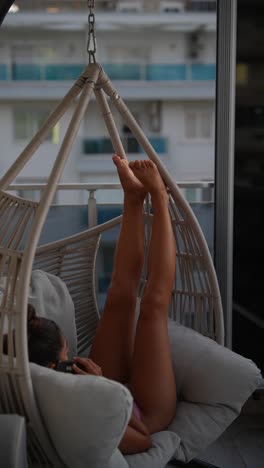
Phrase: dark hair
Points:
(44, 339)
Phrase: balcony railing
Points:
(94, 146)
(115, 71)
(3, 72)
(64, 221)
(93, 213)
(125, 6)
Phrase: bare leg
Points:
(152, 381)
(113, 345)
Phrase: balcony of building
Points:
(95, 146)
(124, 6)
(182, 16)
(96, 152)
(115, 71)
(186, 81)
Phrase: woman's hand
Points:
(134, 442)
(137, 424)
(89, 367)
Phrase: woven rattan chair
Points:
(195, 300)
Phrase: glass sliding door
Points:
(248, 260)
(239, 176)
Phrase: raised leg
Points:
(113, 344)
(152, 381)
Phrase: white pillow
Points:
(212, 382)
(117, 460)
(51, 299)
(85, 416)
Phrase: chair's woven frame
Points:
(195, 300)
(73, 260)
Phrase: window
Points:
(206, 124)
(129, 6)
(190, 125)
(173, 6)
(28, 122)
(32, 53)
(198, 124)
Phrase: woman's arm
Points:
(136, 438)
(134, 441)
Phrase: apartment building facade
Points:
(160, 56)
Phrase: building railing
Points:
(125, 6)
(104, 145)
(66, 220)
(204, 188)
(115, 71)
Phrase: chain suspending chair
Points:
(195, 300)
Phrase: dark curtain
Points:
(4, 7)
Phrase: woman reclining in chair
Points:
(142, 361)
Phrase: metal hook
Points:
(91, 43)
(90, 4)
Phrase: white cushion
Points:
(117, 460)
(13, 452)
(85, 416)
(51, 299)
(212, 382)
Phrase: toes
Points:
(134, 165)
(120, 163)
(141, 165)
(116, 159)
(151, 164)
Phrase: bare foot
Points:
(130, 183)
(148, 174)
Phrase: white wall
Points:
(40, 165)
(188, 160)
(168, 48)
(64, 47)
(4, 52)
(153, 47)
(158, 47)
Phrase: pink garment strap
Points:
(136, 410)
